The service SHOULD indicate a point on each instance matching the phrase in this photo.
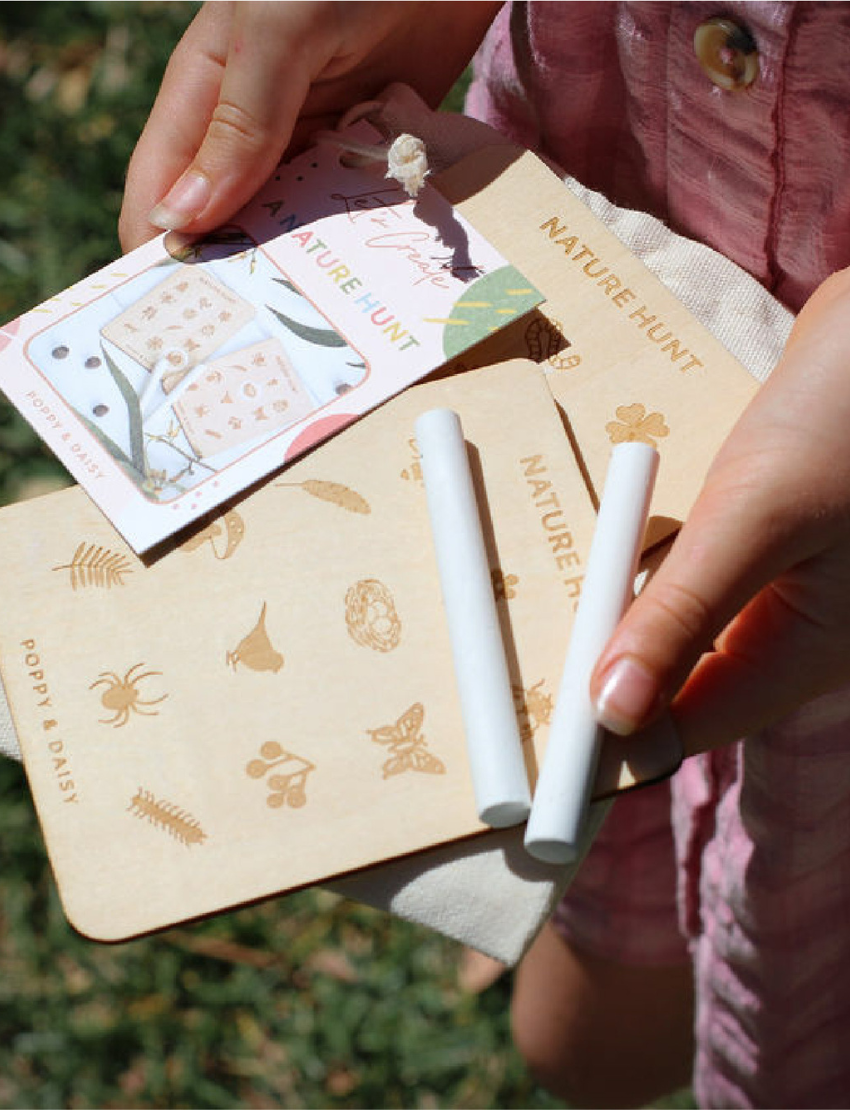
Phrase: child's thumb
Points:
(250, 127)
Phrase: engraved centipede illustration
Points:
(255, 650)
(287, 786)
(371, 616)
(407, 749)
(168, 817)
(122, 695)
(95, 566)
(335, 493)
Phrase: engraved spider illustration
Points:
(121, 695)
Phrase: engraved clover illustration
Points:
(122, 695)
(406, 746)
(504, 585)
(635, 425)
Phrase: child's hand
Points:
(759, 576)
(249, 79)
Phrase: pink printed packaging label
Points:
(185, 371)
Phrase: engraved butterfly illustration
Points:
(406, 746)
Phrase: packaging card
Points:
(178, 376)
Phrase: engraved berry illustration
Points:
(122, 696)
(287, 786)
(634, 425)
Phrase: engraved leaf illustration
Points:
(335, 493)
(167, 816)
(321, 337)
(93, 565)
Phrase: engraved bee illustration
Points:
(414, 473)
(122, 696)
(534, 708)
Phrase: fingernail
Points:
(186, 199)
(627, 695)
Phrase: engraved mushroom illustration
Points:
(122, 696)
(223, 536)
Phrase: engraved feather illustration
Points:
(168, 817)
(333, 492)
(92, 565)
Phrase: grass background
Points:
(309, 1001)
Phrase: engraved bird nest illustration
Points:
(371, 617)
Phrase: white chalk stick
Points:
(563, 789)
(499, 775)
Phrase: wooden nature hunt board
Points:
(270, 703)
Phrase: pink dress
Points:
(742, 863)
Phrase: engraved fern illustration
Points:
(93, 565)
(168, 817)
